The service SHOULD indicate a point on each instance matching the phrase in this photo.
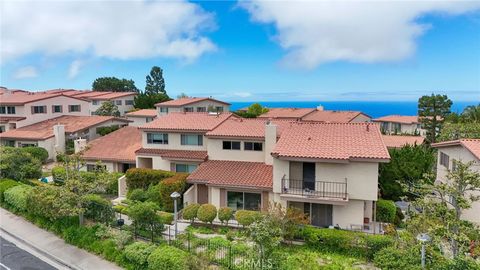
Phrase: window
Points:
(57, 108)
(95, 102)
(164, 109)
(10, 110)
(191, 139)
(231, 145)
(244, 200)
(10, 143)
(157, 138)
(253, 146)
(3, 110)
(185, 168)
(2, 129)
(73, 108)
(219, 109)
(148, 119)
(118, 102)
(201, 109)
(39, 109)
(128, 102)
(188, 109)
(444, 159)
(95, 167)
(397, 127)
(27, 144)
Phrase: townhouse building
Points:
(464, 150)
(192, 104)
(141, 117)
(123, 100)
(400, 124)
(316, 115)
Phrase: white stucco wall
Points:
(204, 103)
(174, 142)
(346, 215)
(121, 108)
(216, 151)
(157, 162)
(138, 120)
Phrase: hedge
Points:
(59, 175)
(137, 194)
(246, 217)
(37, 152)
(386, 211)
(207, 213)
(143, 177)
(98, 208)
(168, 186)
(6, 184)
(17, 197)
(138, 253)
(392, 258)
(190, 212)
(225, 214)
(166, 258)
(165, 217)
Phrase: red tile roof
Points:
(24, 98)
(397, 141)
(339, 141)
(174, 154)
(472, 145)
(233, 174)
(143, 112)
(119, 145)
(44, 130)
(403, 119)
(6, 119)
(333, 116)
(186, 101)
(295, 113)
(187, 122)
(112, 95)
(247, 128)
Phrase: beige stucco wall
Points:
(92, 132)
(461, 154)
(157, 162)
(138, 120)
(204, 103)
(121, 108)
(216, 151)
(174, 142)
(346, 215)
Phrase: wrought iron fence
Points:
(320, 189)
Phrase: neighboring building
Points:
(287, 113)
(192, 104)
(400, 124)
(398, 141)
(55, 134)
(316, 115)
(115, 151)
(141, 117)
(23, 109)
(123, 100)
(465, 150)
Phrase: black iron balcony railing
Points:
(315, 189)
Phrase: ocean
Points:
(373, 108)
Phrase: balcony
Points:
(322, 190)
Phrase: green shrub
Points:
(165, 217)
(37, 152)
(143, 177)
(98, 208)
(59, 175)
(376, 243)
(17, 197)
(122, 238)
(53, 202)
(225, 214)
(138, 253)
(120, 208)
(302, 260)
(392, 258)
(460, 263)
(137, 194)
(168, 186)
(190, 212)
(102, 131)
(246, 217)
(112, 187)
(207, 213)
(18, 165)
(166, 258)
(399, 216)
(6, 184)
(153, 194)
(386, 211)
(80, 236)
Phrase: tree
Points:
(406, 169)
(182, 95)
(148, 101)
(53, 202)
(455, 131)
(432, 111)
(114, 84)
(267, 233)
(17, 164)
(471, 114)
(253, 111)
(442, 206)
(144, 216)
(155, 82)
(108, 108)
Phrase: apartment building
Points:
(123, 100)
(141, 117)
(400, 124)
(316, 115)
(19, 109)
(465, 150)
(192, 104)
(54, 135)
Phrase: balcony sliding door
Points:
(309, 176)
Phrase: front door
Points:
(202, 194)
(321, 215)
(309, 176)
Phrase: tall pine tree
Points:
(155, 82)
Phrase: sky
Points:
(248, 50)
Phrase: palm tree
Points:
(471, 114)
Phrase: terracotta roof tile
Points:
(174, 154)
(44, 130)
(187, 121)
(294, 113)
(24, 98)
(396, 141)
(247, 127)
(186, 101)
(332, 116)
(6, 119)
(113, 95)
(143, 112)
(403, 119)
(472, 145)
(339, 141)
(233, 174)
(119, 145)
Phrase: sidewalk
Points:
(50, 245)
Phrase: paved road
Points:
(15, 258)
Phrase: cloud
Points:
(26, 72)
(242, 94)
(74, 68)
(112, 29)
(316, 32)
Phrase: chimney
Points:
(79, 144)
(319, 108)
(270, 141)
(59, 133)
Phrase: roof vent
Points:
(309, 138)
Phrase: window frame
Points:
(163, 109)
(444, 160)
(118, 102)
(151, 140)
(57, 106)
(231, 145)
(201, 109)
(11, 110)
(219, 108)
(243, 202)
(188, 109)
(129, 102)
(254, 146)
(43, 111)
(187, 167)
(184, 140)
(74, 106)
